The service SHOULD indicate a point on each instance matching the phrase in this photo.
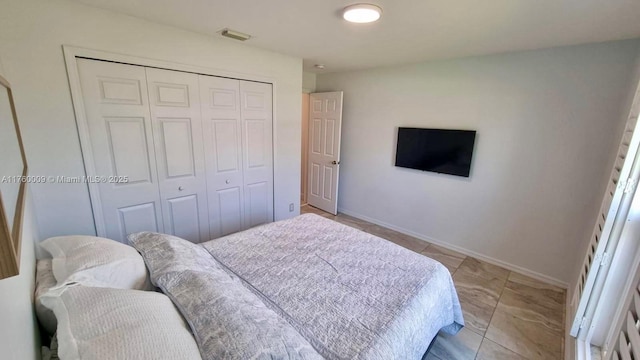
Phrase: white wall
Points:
(19, 337)
(546, 120)
(32, 33)
(620, 273)
(308, 82)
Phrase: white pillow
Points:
(103, 323)
(45, 281)
(94, 261)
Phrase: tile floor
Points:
(507, 315)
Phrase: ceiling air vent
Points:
(237, 35)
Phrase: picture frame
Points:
(13, 183)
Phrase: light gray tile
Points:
(462, 346)
(403, 240)
(535, 301)
(536, 290)
(451, 269)
(449, 258)
(308, 209)
(351, 221)
(526, 338)
(517, 278)
(477, 315)
(474, 288)
(534, 308)
(483, 269)
(492, 351)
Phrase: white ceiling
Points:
(410, 30)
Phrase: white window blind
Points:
(627, 346)
(609, 224)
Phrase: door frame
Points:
(304, 168)
(71, 53)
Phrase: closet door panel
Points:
(228, 200)
(122, 151)
(138, 218)
(257, 150)
(258, 203)
(256, 145)
(183, 216)
(230, 210)
(225, 136)
(177, 147)
(220, 100)
(177, 127)
(128, 144)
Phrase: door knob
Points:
(335, 162)
(227, 181)
(180, 188)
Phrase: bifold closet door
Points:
(191, 155)
(177, 132)
(119, 123)
(220, 100)
(237, 123)
(257, 149)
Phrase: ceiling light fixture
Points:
(237, 35)
(362, 13)
(319, 66)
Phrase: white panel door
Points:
(220, 99)
(325, 124)
(118, 119)
(177, 131)
(257, 152)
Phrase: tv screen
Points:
(437, 150)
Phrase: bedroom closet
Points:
(175, 152)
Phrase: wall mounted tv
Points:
(437, 150)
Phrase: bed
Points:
(303, 288)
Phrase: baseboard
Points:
(536, 275)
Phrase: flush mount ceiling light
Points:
(319, 66)
(362, 13)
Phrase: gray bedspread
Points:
(228, 321)
(345, 293)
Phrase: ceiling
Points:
(409, 31)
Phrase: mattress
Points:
(350, 294)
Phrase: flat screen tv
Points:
(437, 150)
